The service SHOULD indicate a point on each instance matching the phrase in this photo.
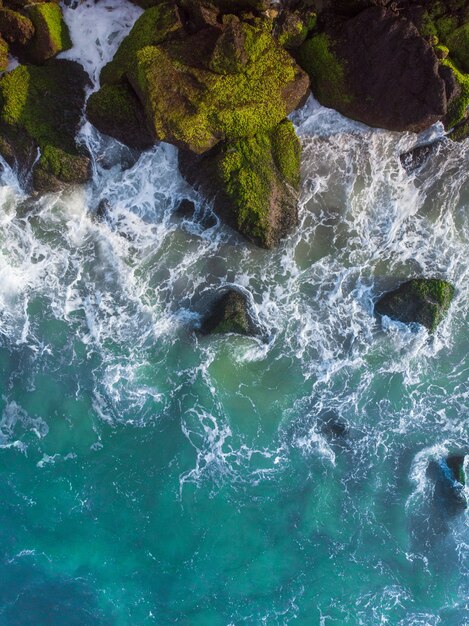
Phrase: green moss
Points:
(422, 300)
(52, 35)
(445, 26)
(458, 43)
(152, 27)
(317, 57)
(195, 108)
(69, 168)
(3, 55)
(457, 109)
(33, 110)
(15, 27)
(286, 151)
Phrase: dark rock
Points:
(40, 113)
(186, 208)
(376, 68)
(456, 464)
(448, 490)
(116, 111)
(254, 183)
(414, 159)
(421, 300)
(293, 27)
(229, 314)
(3, 54)
(51, 32)
(15, 28)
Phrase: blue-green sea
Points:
(149, 475)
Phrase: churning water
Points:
(149, 476)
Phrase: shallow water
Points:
(153, 477)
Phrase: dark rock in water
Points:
(186, 208)
(376, 68)
(229, 314)
(416, 158)
(456, 464)
(116, 111)
(448, 491)
(332, 425)
(103, 209)
(421, 300)
(41, 110)
(254, 183)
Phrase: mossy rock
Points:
(318, 58)
(422, 300)
(293, 27)
(254, 183)
(15, 28)
(458, 44)
(51, 32)
(195, 108)
(40, 110)
(116, 111)
(229, 314)
(377, 69)
(154, 26)
(3, 55)
(458, 107)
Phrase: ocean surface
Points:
(151, 476)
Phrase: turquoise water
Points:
(149, 476)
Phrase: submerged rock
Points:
(376, 68)
(448, 477)
(421, 300)
(40, 113)
(414, 159)
(332, 426)
(253, 182)
(229, 314)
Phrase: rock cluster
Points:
(214, 81)
(41, 101)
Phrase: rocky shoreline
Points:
(218, 80)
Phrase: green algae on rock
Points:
(254, 183)
(229, 315)
(402, 88)
(117, 112)
(51, 31)
(154, 26)
(3, 55)
(190, 105)
(421, 300)
(40, 109)
(327, 71)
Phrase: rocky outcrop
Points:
(376, 68)
(422, 300)
(40, 112)
(254, 183)
(35, 32)
(229, 314)
(215, 85)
